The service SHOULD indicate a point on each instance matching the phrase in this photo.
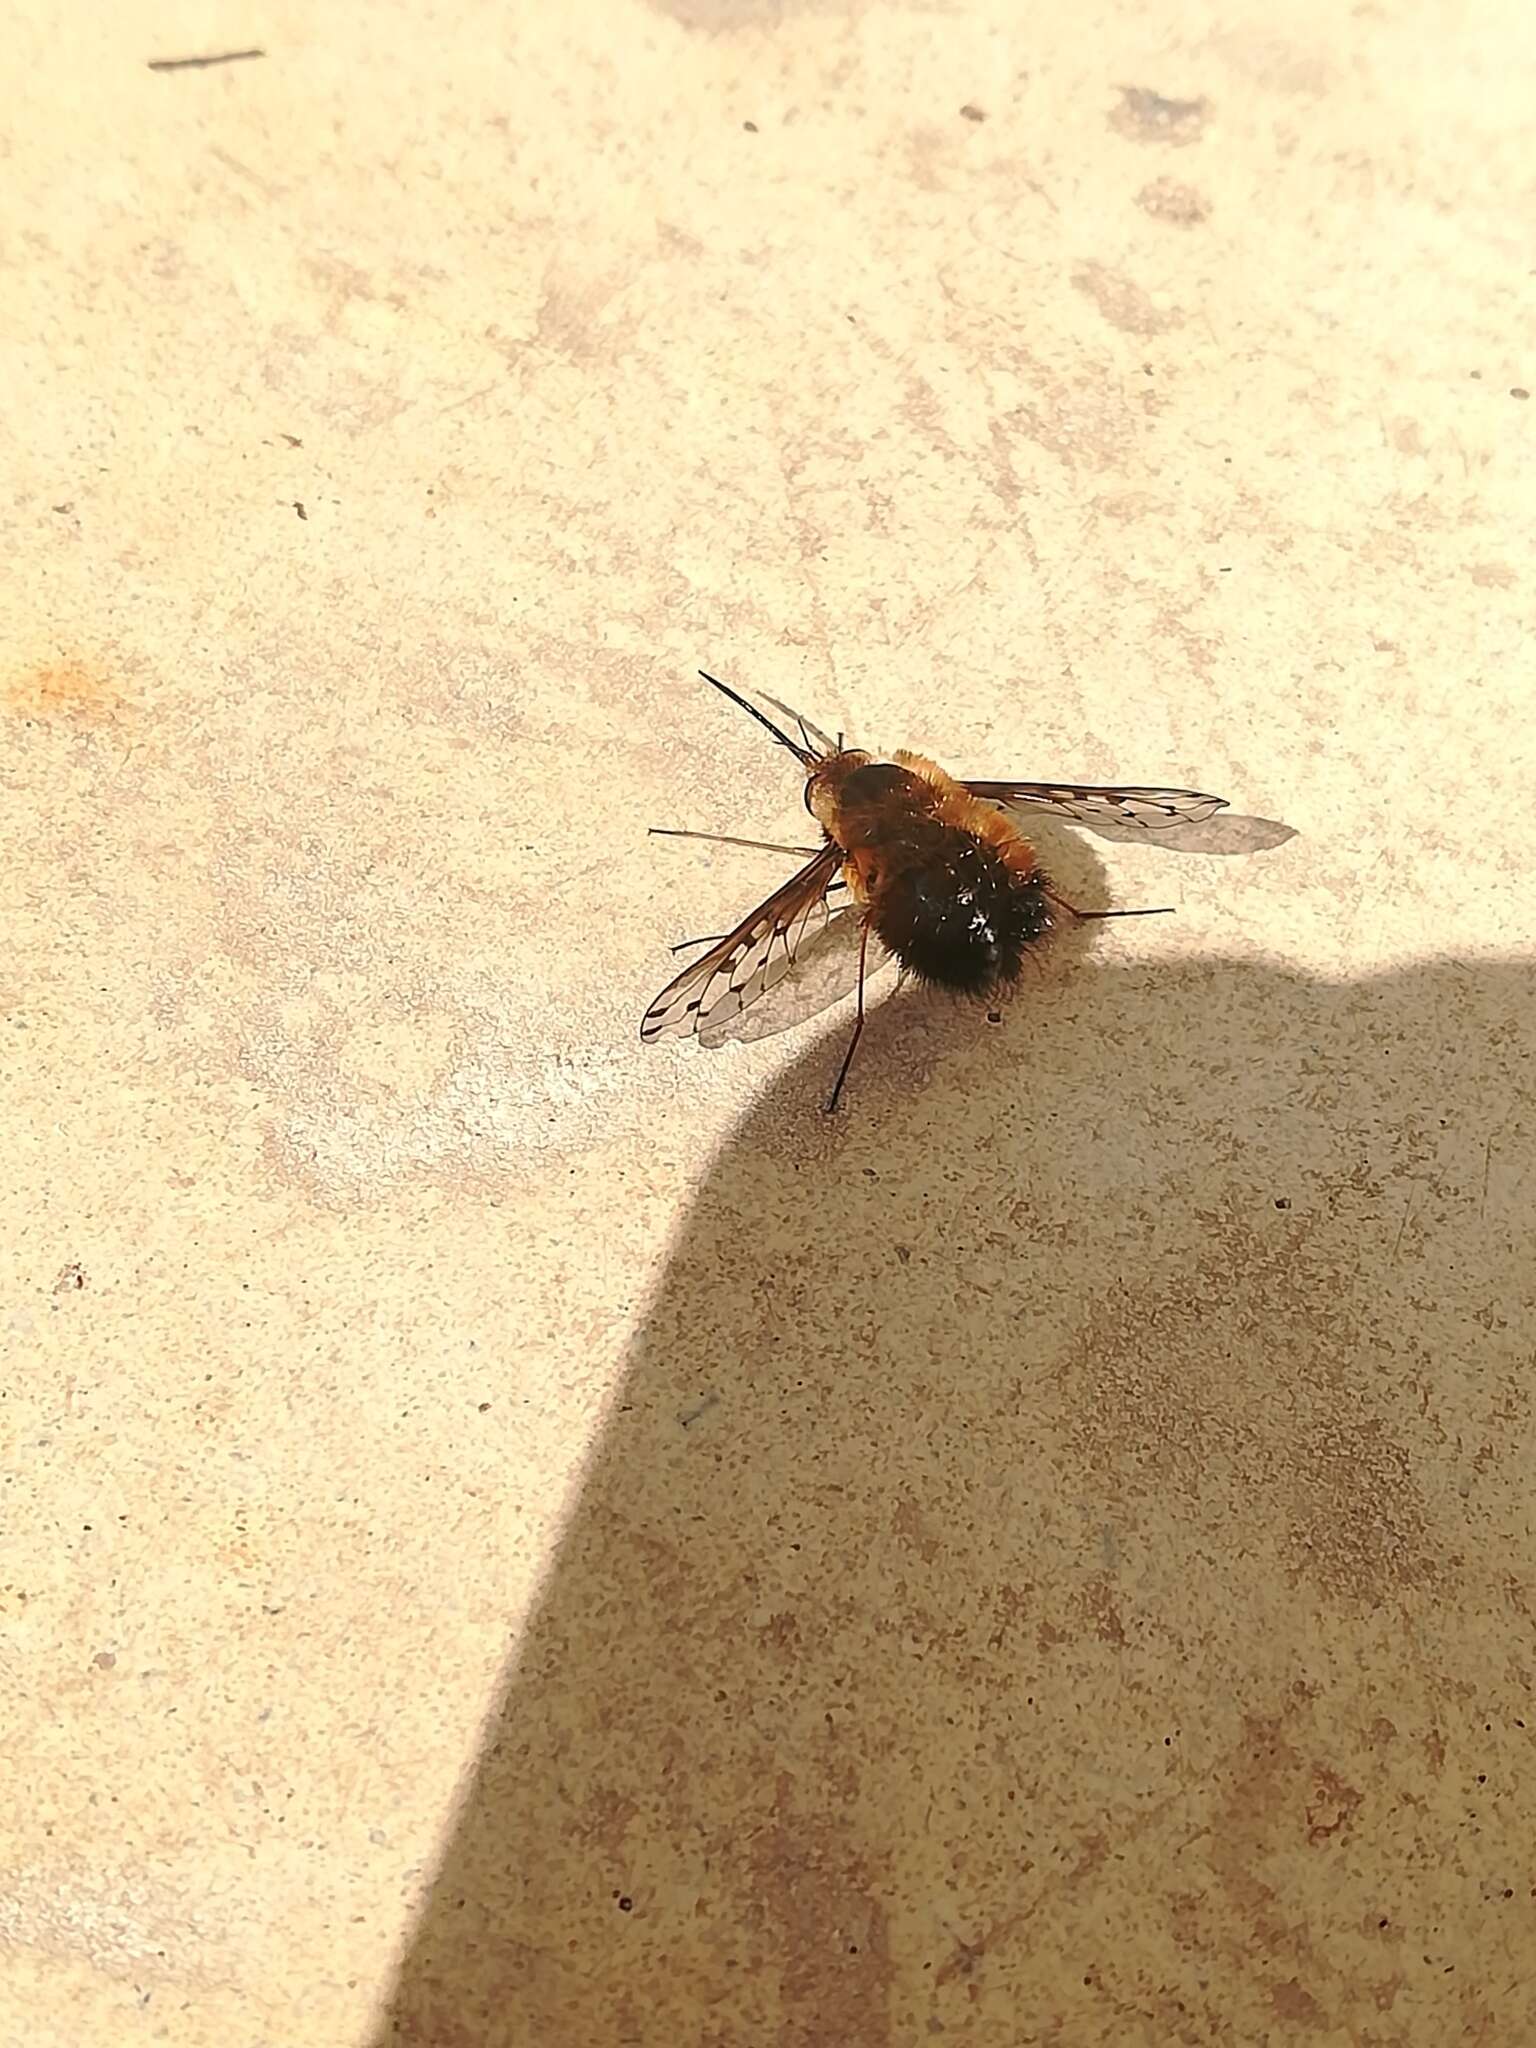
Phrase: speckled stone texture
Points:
(513, 1539)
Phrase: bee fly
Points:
(943, 877)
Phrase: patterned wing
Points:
(749, 961)
(1129, 811)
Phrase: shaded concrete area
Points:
(1044, 1558)
(1057, 1572)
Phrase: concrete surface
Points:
(510, 1538)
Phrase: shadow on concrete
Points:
(1062, 1569)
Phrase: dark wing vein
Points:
(749, 961)
(1140, 810)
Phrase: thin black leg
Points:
(1161, 910)
(726, 839)
(858, 1028)
(715, 937)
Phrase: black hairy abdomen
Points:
(958, 916)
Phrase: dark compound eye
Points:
(876, 779)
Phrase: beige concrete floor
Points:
(513, 1538)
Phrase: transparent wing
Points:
(748, 961)
(822, 742)
(826, 970)
(1132, 810)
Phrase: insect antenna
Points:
(803, 754)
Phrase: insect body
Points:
(943, 877)
(948, 883)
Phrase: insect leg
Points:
(1162, 909)
(715, 937)
(858, 1028)
(725, 839)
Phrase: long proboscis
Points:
(802, 754)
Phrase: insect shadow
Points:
(1038, 1524)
